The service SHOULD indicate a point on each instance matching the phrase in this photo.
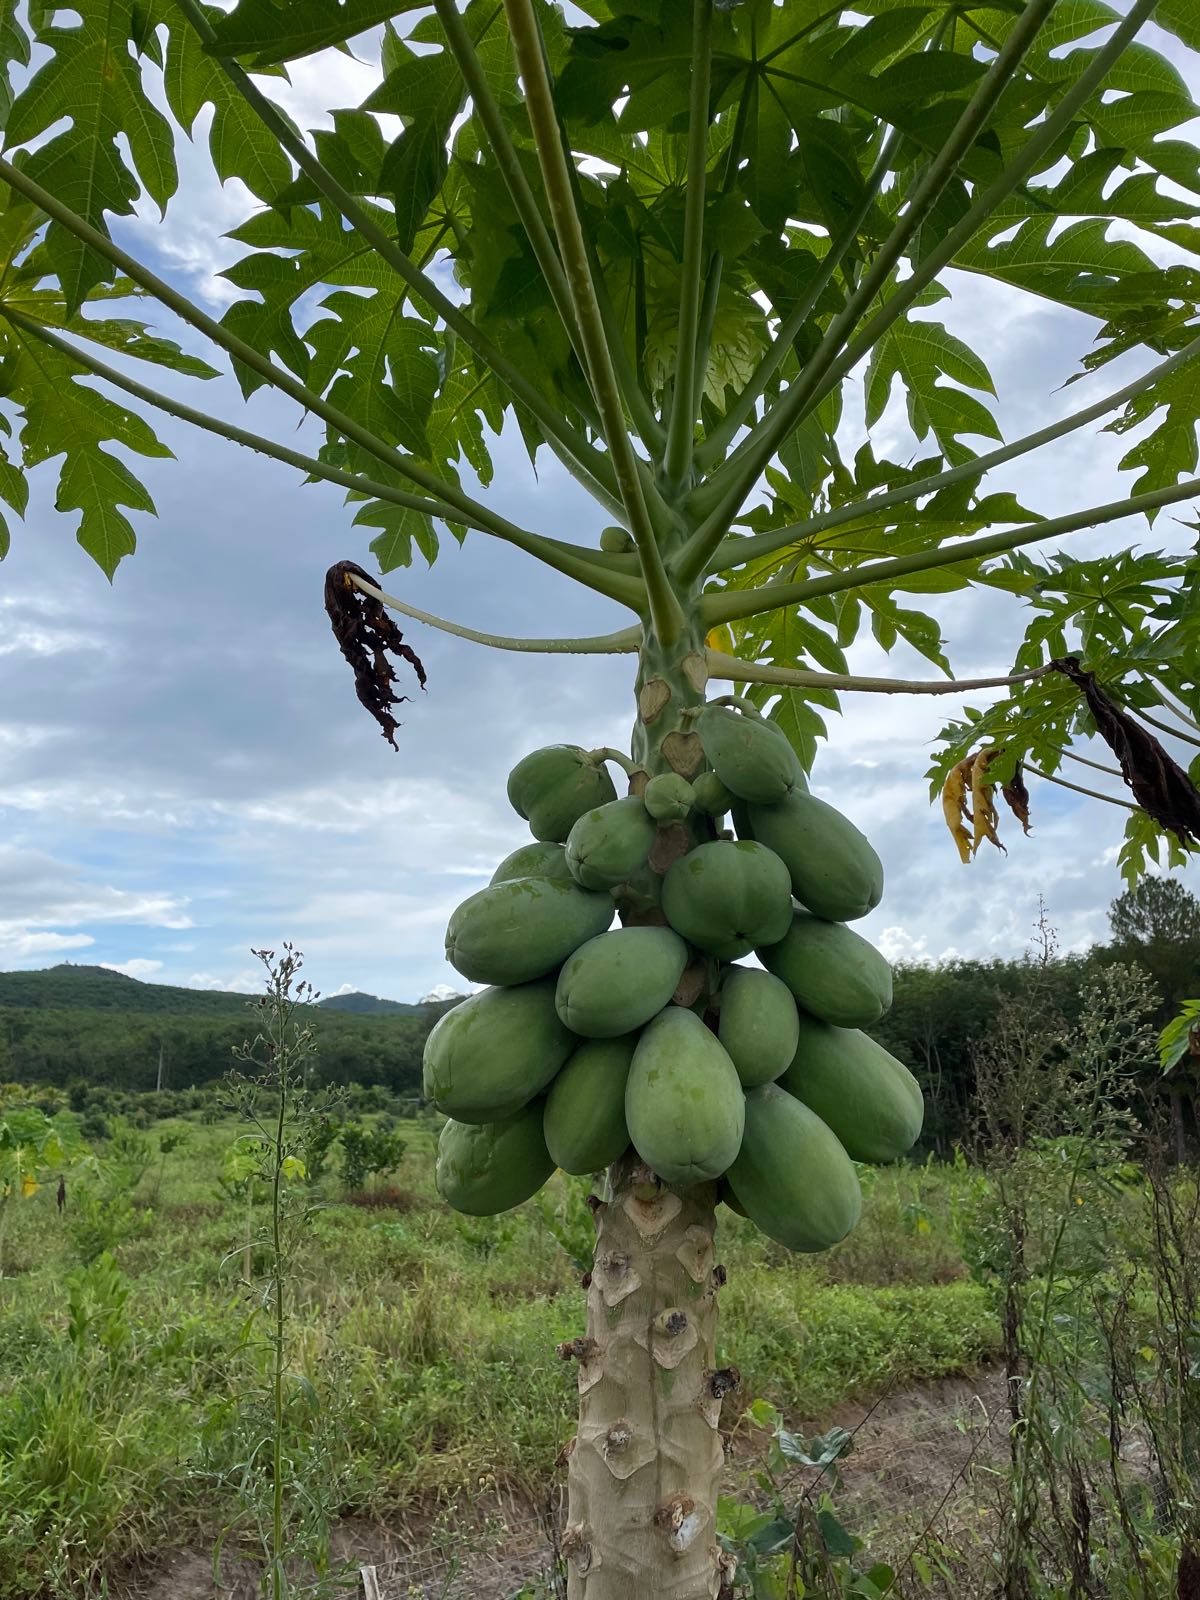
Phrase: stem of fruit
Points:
(645, 1465)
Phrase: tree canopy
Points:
(660, 239)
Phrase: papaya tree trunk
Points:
(645, 1465)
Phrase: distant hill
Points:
(68, 1022)
(370, 1005)
(68, 987)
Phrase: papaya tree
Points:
(680, 246)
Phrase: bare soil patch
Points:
(909, 1467)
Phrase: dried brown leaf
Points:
(1161, 787)
(367, 634)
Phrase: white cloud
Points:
(19, 944)
(441, 991)
(140, 967)
(247, 982)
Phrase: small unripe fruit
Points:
(616, 541)
(711, 794)
(668, 797)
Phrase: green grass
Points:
(423, 1351)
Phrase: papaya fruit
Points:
(523, 928)
(619, 980)
(617, 541)
(534, 860)
(752, 757)
(870, 1100)
(791, 1176)
(668, 797)
(758, 1024)
(607, 845)
(492, 1054)
(728, 896)
(552, 787)
(484, 1168)
(832, 971)
(835, 872)
(684, 1105)
(584, 1120)
(726, 1197)
(711, 795)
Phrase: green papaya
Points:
(791, 1176)
(758, 1024)
(523, 928)
(832, 971)
(483, 1168)
(835, 872)
(617, 541)
(606, 846)
(728, 896)
(711, 795)
(492, 1054)
(870, 1100)
(584, 1120)
(726, 1196)
(752, 757)
(668, 797)
(536, 860)
(617, 981)
(683, 1102)
(552, 787)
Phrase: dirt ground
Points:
(908, 1469)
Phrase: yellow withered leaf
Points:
(29, 1186)
(955, 808)
(986, 816)
(721, 638)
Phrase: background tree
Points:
(675, 233)
(1157, 924)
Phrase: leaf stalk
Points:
(580, 456)
(733, 670)
(733, 551)
(677, 462)
(665, 610)
(624, 642)
(738, 477)
(731, 606)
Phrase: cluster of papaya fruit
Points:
(591, 1038)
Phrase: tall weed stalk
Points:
(284, 1422)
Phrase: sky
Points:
(186, 775)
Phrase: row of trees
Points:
(939, 1016)
(122, 1049)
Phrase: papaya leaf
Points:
(269, 32)
(92, 81)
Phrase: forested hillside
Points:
(71, 1022)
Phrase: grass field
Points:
(134, 1359)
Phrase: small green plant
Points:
(788, 1541)
(32, 1145)
(367, 1152)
